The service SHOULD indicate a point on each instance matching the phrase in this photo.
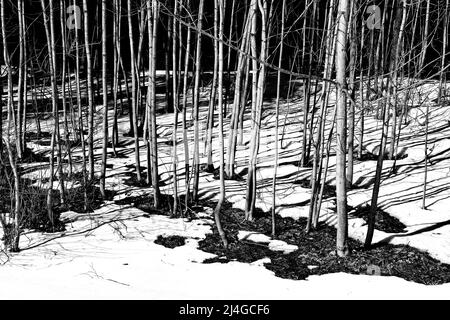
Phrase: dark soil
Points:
(317, 249)
(34, 214)
(383, 221)
(171, 241)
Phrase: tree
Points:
(89, 91)
(259, 75)
(50, 35)
(184, 118)
(341, 130)
(221, 5)
(134, 99)
(153, 11)
(105, 101)
(16, 210)
(175, 96)
(212, 96)
(80, 113)
(399, 29)
(277, 112)
(198, 54)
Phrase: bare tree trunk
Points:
(238, 106)
(341, 131)
(175, 96)
(25, 79)
(425, 177)
(116, 38)
(14, 245)
(134, 92)
(223, 237)
(330, 48)
(55, 99)
(63, 82)
(277, 115)
(361, 89)
(425, 40)
(399, 26)
(105, 103)
(307, 94)
(185, 130)
(442, 76)
(22, 75)
(258, 95)
(230, 38)
(169, 99)
(351, 89)
(80, 113)
(325, 173)
(90, 92)
(212, 99)
(152, 33)
(196, 161)
(49, 32)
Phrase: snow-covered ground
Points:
(111, 253)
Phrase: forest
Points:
(301, 138)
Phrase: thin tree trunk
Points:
(385, 111)
(90, 92)
(25, 79)
(361, 89)
(185, 129)
(116, 38)
(105, 103)
(152, 121)
(22, 71)
(352, 90)
(277, 115)
(175, 75)
(134, 92)
(442, 76)
(341, 131)
(212, 99)
(238, 106)
(221, 135)
(318, 140)
(49, 32)
(257, 105)
(63, 82)
(80, 113)
(196, 106)
(169, 99)
(14, 246)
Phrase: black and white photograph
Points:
(224, 150)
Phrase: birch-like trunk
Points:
(341, 130)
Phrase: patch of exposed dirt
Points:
(316, 253)
(171, 241)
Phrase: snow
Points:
(111, 254)
(274, 245)
(117, 258)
